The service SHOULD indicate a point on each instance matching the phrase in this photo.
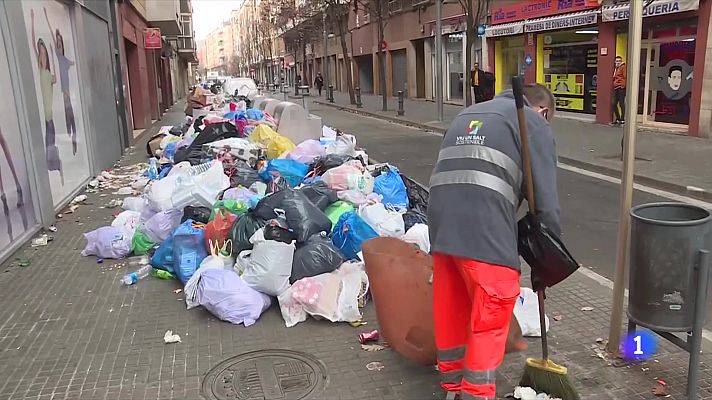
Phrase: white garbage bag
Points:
(268, 266)
(419, 235)
(385, 222)
(215, 260)
(160, 193)
(526, 309)
(134, 204)
(128, 220)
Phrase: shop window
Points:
(570, 66)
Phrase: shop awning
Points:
(620, 12)
(513, 28)
(563, 21)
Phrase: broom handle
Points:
(542, 325)
(518, 89)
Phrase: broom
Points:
(542, 375)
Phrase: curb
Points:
(689, 191)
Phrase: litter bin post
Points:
(331, 93)
(693, 370)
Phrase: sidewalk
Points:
(69, 331)
(666, 161)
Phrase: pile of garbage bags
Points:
(242, 216)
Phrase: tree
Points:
(379, 9)
(338, 14)
(233, 66)
(475, 11)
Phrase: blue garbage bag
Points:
(291, 170)
(170, 151)
(390, 185)
(255, 114)
(163, 257)
(350, 232)
(188, 249)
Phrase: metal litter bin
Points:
(666, 240)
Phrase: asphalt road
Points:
(589, 206)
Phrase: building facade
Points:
(154, 79)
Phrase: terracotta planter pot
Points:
(399, 276)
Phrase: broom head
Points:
(549, 377)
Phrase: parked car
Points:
(241, 87)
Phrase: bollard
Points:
(401, 111)
(358, 97)
(331, 93)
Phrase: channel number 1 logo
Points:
(639, 346)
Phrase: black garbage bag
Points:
(324, 163)
(197, 123)
(547, 256)
(265, 207)
(418, 196)
(240, 173)
(320, 195)
(278, 229)
(211, 133)
(303, 217)
(317, 256)
(412, 217)
(198, 214)
(242, 230)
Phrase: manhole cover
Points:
(266, 375)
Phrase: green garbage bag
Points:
(335, 210)
(141, 244)
(232, 206)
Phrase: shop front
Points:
(669, 53)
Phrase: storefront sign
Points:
(537, 9)
(152, 38)
(562, 21)
(505, 30)
(657, 7)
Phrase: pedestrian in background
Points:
(620, 79)
(477, 76)
(475, 191)
(319, 82)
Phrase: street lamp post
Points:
(327, 81)
(439, 58)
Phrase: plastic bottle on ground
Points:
(152, 168)
(133, 277)
(162, 274)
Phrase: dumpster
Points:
(664, 261)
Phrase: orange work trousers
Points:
(473, 304)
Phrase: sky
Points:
(209, 14)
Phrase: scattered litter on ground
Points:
(94, 183)
(124, 191)
(52, 228)
(170, 337)
(40, 241)
(60, 215)
(358, 323)
(375, 366)
(527, 393)
(21, 262)
(177, 291)
(79, 199)
(557, 317)
(367, 337)
(114, 203)
(372, 347)
(600, 340)
(660, 388)
(586, 308)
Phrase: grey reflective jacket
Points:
(477, 184)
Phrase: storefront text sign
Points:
(562, 22)
(537, 9)
(152, 38)
(505, 30)
(658, 7)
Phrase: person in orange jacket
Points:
(620, 79)
(475, 191)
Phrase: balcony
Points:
(186, 7)
(395, 6)
(186, 48)
(165, 15)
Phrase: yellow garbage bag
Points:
(263, 135)
(279, 145)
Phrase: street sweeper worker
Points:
(476, 189)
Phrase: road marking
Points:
(639, 187)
